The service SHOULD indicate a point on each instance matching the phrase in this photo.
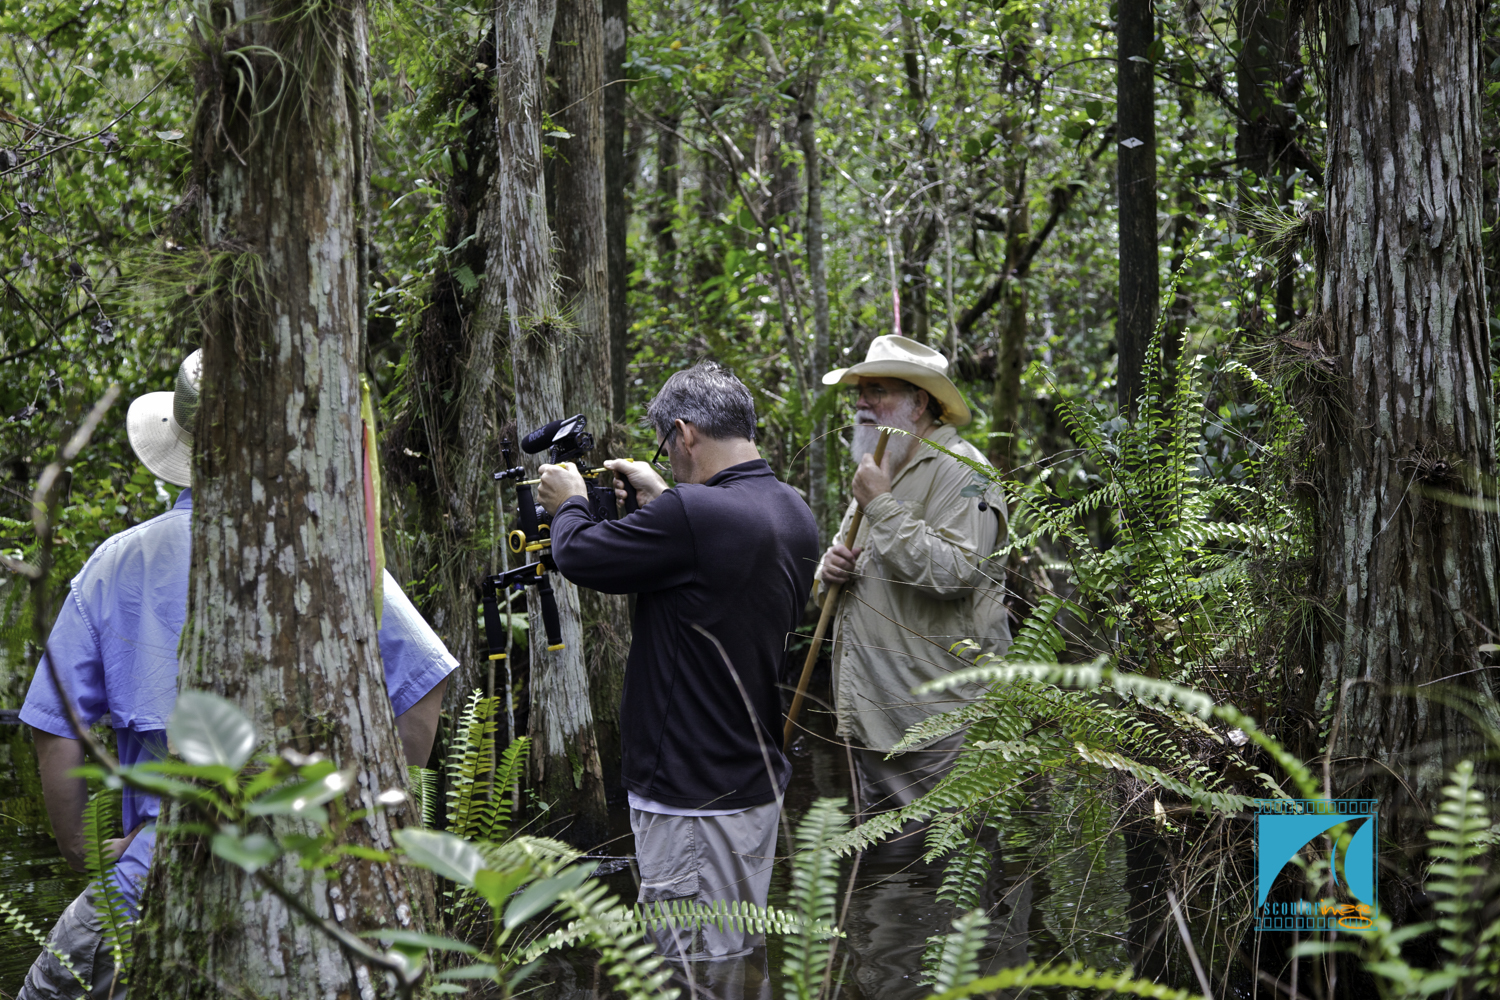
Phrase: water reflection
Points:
(33, 877)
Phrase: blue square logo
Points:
(1283, 828)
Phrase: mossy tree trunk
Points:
(1140, 287)
(520, 291)
(442, 447)
(583, 264)
(1408, 546)
(280, 616)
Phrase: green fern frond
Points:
(1074, 975)
(18, 920)
(507, 775)
(101, 817)
(814, 897)
(471, 759)
(1459, 839)
(424, 789)
(637, 970)
(952, 960)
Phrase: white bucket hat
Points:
(160, 424)
(893, 356)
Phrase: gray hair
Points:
(709, 397)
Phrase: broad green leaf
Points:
(252, 852)
(416, 939)
(442, 854)
(497, 886)
(482, 970)
(206, 729)
(546, 892)
(302, 798)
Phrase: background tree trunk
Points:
(520, 285)
(579, 178)
(440, 450)
(817, 280)
(1408, 554)
(280, 617)
(663, 221)
(616, 210)
(1136, 149)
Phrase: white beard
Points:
(898, 447)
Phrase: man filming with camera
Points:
(722, 564)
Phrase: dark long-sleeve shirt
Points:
(735, 556)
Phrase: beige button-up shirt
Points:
(921, 584)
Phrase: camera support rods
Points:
(566, 441)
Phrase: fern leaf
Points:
(100, 818)
(952, 960)
(19, 922)
(813, 896)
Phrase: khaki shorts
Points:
(80, 936)
(706, 858)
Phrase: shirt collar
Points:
(184, 500)
(752, 469)
(943, 434)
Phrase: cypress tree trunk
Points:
(579, 178)
(817, 279)
(280, 618)
(443, 447)
(520, 290)
(1139, 282)
(664, 218)
(1408, 552)
(616, 211)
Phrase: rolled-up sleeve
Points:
(73, 649)
(941, 554)
(414, 657)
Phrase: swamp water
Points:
(1058, 891)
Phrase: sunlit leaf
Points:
(206, 729)
(442, 854)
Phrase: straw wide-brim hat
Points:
(893, 356)
(160, 424)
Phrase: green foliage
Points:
(1075, 976)
(952, 960)
(18, 921)
(814, 897)
(101, 818)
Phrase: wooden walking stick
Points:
(830, 602)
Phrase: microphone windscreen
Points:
(540, 438)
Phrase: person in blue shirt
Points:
(114, 646)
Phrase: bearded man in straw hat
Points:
(917, 579)
(114, 647)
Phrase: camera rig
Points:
(565, 440)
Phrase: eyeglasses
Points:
(660, 448)
(875, 393)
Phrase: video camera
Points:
(566, 440)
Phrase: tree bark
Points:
(616, 211)
(1407, 549)
(1005, 407)
(440, 451)
(579, 176)
(520, 291)
(1136, 182)
(280, 616)
(817, 280)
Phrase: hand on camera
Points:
(838, 564)
(558, 483)
(647, 483)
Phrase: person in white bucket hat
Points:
(114, 645)
(160, 424)
(918, 578)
